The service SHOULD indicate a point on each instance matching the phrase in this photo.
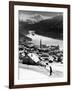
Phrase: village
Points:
(38, 54)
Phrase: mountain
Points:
(33, 18)
(52, 27)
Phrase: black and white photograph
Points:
(39, 44)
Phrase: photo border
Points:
(11, 44)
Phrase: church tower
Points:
(40, 43)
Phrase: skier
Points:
(49, 67)
(50, 70)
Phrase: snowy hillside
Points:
(45, 40)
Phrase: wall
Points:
(4, 45)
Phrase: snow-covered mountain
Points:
(51, 27)
(36, 18)
(33, 18)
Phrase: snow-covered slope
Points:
(45, 40)
(33, 18)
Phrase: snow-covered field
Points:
(39, 72)
(45, 40)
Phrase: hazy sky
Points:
(23, 15)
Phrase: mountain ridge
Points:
(49, 27)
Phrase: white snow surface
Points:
(39, 72)
(45, 40)
(34, 57)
